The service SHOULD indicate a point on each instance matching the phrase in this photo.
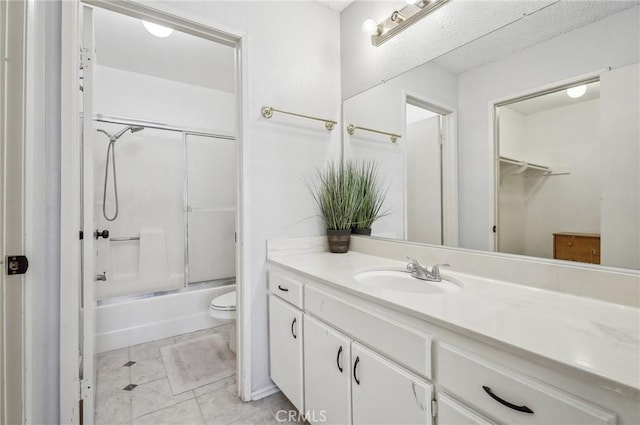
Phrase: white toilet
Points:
(223, 309)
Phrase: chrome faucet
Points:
(423, 273)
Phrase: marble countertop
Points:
(600, 338)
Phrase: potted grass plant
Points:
(338, 197)
(371, 196)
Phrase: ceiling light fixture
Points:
(401, 19)
(157, 30)
(576, 92)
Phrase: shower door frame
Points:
(71, 280)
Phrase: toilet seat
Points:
(226, 302)
(223, 307)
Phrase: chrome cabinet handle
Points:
(295, 319)
(338, 359)
(523, 409)
(355, 368)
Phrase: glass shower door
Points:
(211, 208)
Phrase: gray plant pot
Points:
(339, 240)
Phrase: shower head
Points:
(124, 130)
(113, 138)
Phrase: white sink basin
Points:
(384, 281)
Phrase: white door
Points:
(424, 179)
(88, 253)
(385, 393)
(327, 374)
(12, 71)
(285, 349)
(77, 256)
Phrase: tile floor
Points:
(150, 401)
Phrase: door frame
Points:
(13, 129)
(71, 180)
(494, 139)
(449, 166)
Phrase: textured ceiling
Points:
(338, 6)
(122, 42)
(459, 36)
(536, 27)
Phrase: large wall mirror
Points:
(534, 151)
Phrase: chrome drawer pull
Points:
(283, 289)
(338, 359)
(523, 409)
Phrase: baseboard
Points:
(264, 392)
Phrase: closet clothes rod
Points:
(524, 164)
(267, 112)
(352, 129)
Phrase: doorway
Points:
(430, 173)
(549, 173)
(159, 223)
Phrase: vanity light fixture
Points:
(157, 30)
(369, 26)
(577, 91)
(401, 19)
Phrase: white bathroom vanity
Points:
(494, 351)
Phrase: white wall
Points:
(144, 97)
(620, 135)
(293, 64)
(587, 49)
(534, 206)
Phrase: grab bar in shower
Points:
(129, 238)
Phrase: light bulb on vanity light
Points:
(157, 30)
(576, 92)
(369, 26)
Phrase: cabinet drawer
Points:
(286, 286)
(406, 346)
(576, 247)
(450, 412)
(491, 389)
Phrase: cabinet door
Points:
(327, 374)
(385, 393)
(285, 349)
(450, 412)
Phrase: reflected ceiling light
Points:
(401, 19)
(576, 92)
(369, 26)
(157, 30)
